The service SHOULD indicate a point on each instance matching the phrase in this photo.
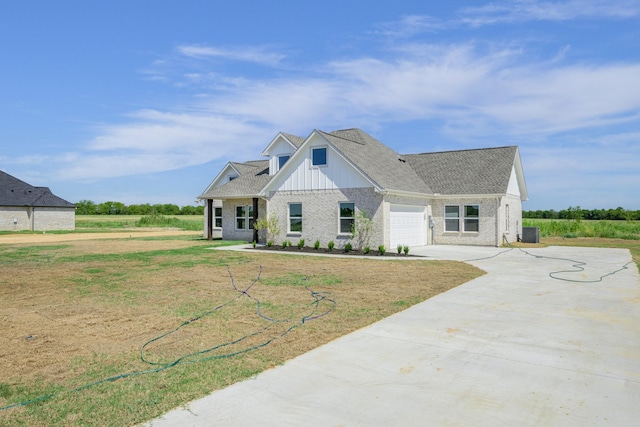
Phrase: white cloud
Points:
(530, 10)
(257, 54)
(474, 92)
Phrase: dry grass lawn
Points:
(76, 312)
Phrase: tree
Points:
(85, 207)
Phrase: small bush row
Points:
(348, 247)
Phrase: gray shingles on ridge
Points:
(14, 192)
(480, 171)
(377, 161)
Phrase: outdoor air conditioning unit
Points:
(531, 234)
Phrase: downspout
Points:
(498, 222)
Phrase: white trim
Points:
(289, 232)
(220, 175)
(265, 152)
(340, 217)
(326, 156)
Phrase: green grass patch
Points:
(626, 230)
(119, 222)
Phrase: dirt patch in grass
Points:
(79, 311)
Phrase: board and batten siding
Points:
(337, 174)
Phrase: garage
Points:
(407, 226)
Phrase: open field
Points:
(76, 313)
(627, 230)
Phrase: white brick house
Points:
(315, 187)
(25, 207)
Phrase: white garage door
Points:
(407, 226)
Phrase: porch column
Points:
(209, 219)
(255, 219)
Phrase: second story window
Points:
(319, 156)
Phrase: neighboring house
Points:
(25, 207)
(317, 186)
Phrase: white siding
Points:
(514, 188)
(335, 175)
(279, 148)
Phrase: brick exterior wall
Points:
(320, 215)
(37, 219)
(487, 234)
(320, 218)
(229, 231)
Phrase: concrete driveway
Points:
(535, 342)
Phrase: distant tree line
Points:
(87, 207)
(577, 213)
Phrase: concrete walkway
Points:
(515, 347)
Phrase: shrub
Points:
(399, 249)
(254, 244)
(348, 247)
(269, 243)
(316, 245)
(406, 249)
(367, 249)
(270, 224)
(300, 243)
(330, 245)
(362, 229)
(382, 249)
(285, 244)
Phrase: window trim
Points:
(467, 219)
(217, 217)
(326, 155)
(247, 217)
(507, 219)
(279, 160)
(340, 218)
(289, 218)
(451, 218)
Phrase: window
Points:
(282, 160)
(319, 156)
(347, 214)
(452, 218)
(295, 217)
(244, 217)
(471, 218)
(506, 218)
(217, 217)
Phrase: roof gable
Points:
(292, 140)
(252, 176)
(298, 173)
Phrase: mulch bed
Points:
(335, 251)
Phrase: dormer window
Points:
(282, 160)
(319, 156)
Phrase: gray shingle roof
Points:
(480, 171)
(254, 175)
(462, 172)
(295, 140)
(14, 192)
(380, 163)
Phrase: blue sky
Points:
(145, 101)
